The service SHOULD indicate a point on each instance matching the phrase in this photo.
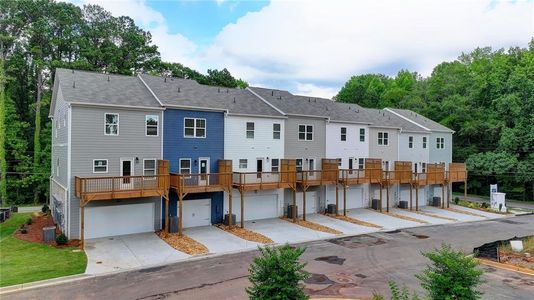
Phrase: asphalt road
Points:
(349, 267)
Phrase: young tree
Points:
(276, 274)
(452, 275)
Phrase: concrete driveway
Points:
(428, 219)
(387, 222)
(217, 240)
(450, 214)
(478, 212)
(281, 231)
(128, 251)
(345, 227)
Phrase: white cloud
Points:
(173, 47)
(316, 42)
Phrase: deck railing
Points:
(120, 186)
(429, 178)
(398, 176)
(457, 176)
(207, 182)
(317, 177)
(263, 180)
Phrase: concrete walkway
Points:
(281, 231)
(128, 251)
(387, 222)
(217, 240)
(343, 226)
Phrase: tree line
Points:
(38, 36)
(486, 96)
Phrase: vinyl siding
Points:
(416, 154)
(305, 149)
(89, 142)
(351, 148)
(60, 143)
(441, 155)
(386, 153)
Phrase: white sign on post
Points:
(498, 202)
(493, 189)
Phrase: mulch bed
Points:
(465, 212)
(246, 234)
(433, 215)
(183, 243)
(313, 226)
(395, 215)
(35, 231)
(353, 221)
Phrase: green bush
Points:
(29, 221)
(276, 274)
(62, 239)
(397, 293)
(484, 205)
(452, 275)
(456, 200)
(23, 230)
(45, 209)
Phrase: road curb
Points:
(42, 283)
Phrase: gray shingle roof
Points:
(384, 118)
(189, 93)
(421, 120)
(98, 88)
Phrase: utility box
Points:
(498, 202)
(173, 224)
(403, 204)
(227, 219)
(290, 209)
(49, 234)
(375, 204)
(331, 209)
(436, 201)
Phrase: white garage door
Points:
(197, 213)
(354, 198)
(257, 207)
(102, 221)
(311, 202)
(405, 195)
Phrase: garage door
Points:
(197, 213)
(102, 221)
(311, 202)
(354, 198)
(257, 207)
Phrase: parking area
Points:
(217, 240)
(426, 218)
(281, 231)
(451, 214)
(343, 226)
(385, 221)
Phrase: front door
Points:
(204, 169)
(126, 171)
(259, 167)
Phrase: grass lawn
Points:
(22, 262)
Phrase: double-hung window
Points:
(100, 165)
(305, 132)
(311, 164)
(185, 166)
(243, 163)
(339, 162)
(194, 128)
(275, 165)
(362, 134)
(276, 131)
(111, 124)
(440, 143)
(423, 167)
(250, 130)
(343, 133)
(149, 167)
(410, 142)
(151, 122)
(424, 142)
(298, 163)
(361, 163)
(383, 138)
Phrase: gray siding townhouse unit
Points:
(101, 130)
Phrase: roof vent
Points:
(164, 79)
(280, 97)
(72, 71)
(234, 99)
(178, 89)
(227, 91)
(349, 107)
(218, 90)
(315, 100)
(309, 100)
(108, 78)
(272, 93)
(74, 84)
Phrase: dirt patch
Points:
(314, 226)
(358, 241)
(353, 221)
(183, 243)
(318, 279)
(421, 236)
(460, 211)
(434, 215)
(335, 260)
(34, 231)
(246, 234)
(405, 217)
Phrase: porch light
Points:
(137, 160)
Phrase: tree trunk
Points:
(37, 133)
(3, 164)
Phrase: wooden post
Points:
(242, 211)
(411, 192)
(465, 189)
(180, 223)
(380, 184)
(442, 196)
(416, 197)
(449, 191)
(337, 199)
(304, 204)
(344, 200)
(294, 212)
(230, 217)
(82, 234)
(167, 214)
(387, 196)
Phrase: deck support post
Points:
(167, 214)
(411, 192)
(443, 196)
(82, 234)
(337, 199)
(344, 200)
(304, 203)
(380, 184)
(294, 210)
(465, 189)
(230, 217)
(180, 212)
(242, 210)
(417, 198)
(449, 191)
(387, 196)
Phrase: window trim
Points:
(311, 160)
(277, 164)
(385, 140)
(253, 131)
(157, 125)
(195, 128)
(180, 166)
(343, 136)
(301, 164)
(118, 122)
(410, 142)
(245, 162)
(305, 132)
(362, 135)
(440, 143)
(279, 131)
(101, 172)
(362, 164)
(155, 166)
(424, 142)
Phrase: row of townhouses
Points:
(251, 151)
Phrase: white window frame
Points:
(157, 125)
(301, 164)
(339, 162)
(243, 163)
(440, 143)
(384, 140)
(305, 132)
(194, 136)
(423, 167)
(106, 124)
(343, 136)
(100, 172)
(252, 131)
(361, 163)
(180, 167)
(362, 134)
(155, 166)
(279, 131)
(273, 167)
(424, 142)
(311, 162)
(410, 142)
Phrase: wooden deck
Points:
(254, 181)
(200, 183)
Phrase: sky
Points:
(313, 47)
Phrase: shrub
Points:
(452, 275)
(397, 293)
(456, 200)
(62, 239)
(45, 209)
(29, 221)
(484, 205)
(23, 230)
(276, 274)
